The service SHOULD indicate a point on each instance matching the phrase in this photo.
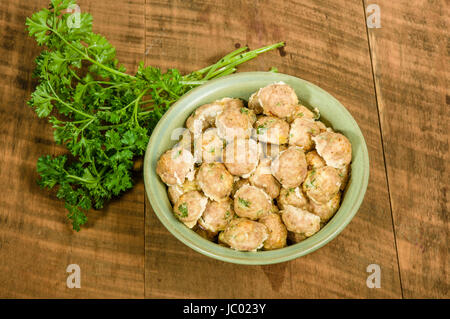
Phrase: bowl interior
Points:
(242, 85)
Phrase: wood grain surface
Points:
(393, 80)
(410, 62)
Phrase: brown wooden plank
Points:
(327, 45)
(410, 60)
(36, 241)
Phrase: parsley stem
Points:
(136, 106)
(81, 179)
(236, 56)
(87, 57)
(67, 105)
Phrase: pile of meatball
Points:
(255, 176)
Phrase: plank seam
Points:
(375, 87)
(145, 194)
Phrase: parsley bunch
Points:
(102, 115)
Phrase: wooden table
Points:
(394, 80)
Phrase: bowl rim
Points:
(205, 247)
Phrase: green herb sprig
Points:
(101, 114)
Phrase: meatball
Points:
(175, 191)
(271, 151)
(175, 165)
(334, 148)
(295, 238)
(292, 196)
(273, 130)
(300, 221)
(238, 183)
(217, 215)
(189, 207)
(290, 167)
(264, 179)
(327, 210)
(244, 234)
(215, 181)
(275, 209)
(277, 99)
(302, 112)
(185, 141)
(221, 240)
(209, 235)
(230, 103)
(301, 133)
(344, 174)
(241, 157)
(235, 123)
(211, 146)
(251, 202)
(314, 160)
(322, 184)
(253, 103)
(277, 231)
(203, 117)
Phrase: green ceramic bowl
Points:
(241, 85)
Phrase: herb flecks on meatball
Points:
(245, 235)
(251, 202)
(189, 207)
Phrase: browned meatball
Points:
(175, 191)
(175, 165)
(301, 133)
(244, 234)
(314, 160)
(277, 231)
(203, 117)
(215, 181)
(251, 202)
(189, 207)
(302, 112)
(300, 221)
(217, 215)
(290, 167)
(295, 238)
(231, 103)
(241, 157)
(327, 210)
(238, 183)
(264, 179)
(344, 174)
(322, 184)
(235, 123)
(334, 148)
(207, 234)
(272, 130)
(292, 196)
(277, 99)
(253, 103)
